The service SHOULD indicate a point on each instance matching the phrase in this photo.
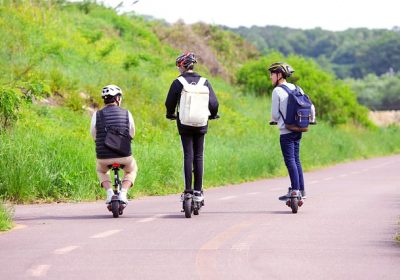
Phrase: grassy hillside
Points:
(56, 58)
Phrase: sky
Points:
(334, 15)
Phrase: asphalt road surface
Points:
(345, 230)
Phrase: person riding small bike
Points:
(289, 140)
(113, 116)
(192, 137)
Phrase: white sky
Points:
(335, 15)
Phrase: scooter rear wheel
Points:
(115, 208)
(187, 207)
(294, 204)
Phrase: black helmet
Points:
(186, 60)
(281, 67)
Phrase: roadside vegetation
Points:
(56, 57)
(5, 217)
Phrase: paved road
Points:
(345, 230)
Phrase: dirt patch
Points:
(385, 118)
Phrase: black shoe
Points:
(286, 196)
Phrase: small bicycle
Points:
(116, 206)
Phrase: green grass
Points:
(5, 217)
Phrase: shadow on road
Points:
(85, 217)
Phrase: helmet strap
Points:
(279, 79)
(118, 100)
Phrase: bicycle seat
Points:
(116, 165)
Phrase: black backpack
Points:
(298, 111)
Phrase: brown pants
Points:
(130, 168)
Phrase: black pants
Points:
(193, 153)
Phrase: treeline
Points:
(378, 93)
(353, 53)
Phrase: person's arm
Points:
(213, 102)
(172, 98)
(132, 130)
(313, 119)
(275, 115)
(93, 126)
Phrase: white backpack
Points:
(193, 105)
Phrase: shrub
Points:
(9, 105)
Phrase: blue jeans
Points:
(290, 146)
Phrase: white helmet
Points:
(111, 90)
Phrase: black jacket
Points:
(174, 96)
(113, 116)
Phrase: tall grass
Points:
(5, 217)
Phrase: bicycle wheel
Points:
(187, 206)
(115, 208)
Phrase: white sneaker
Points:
(123, 196)
(198, 196)
(110, 194)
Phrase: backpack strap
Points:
(289, 91)
(101, 115)
(202, 81)
(183, 81)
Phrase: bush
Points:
(5, 217)
(9, 105)
(333, 99)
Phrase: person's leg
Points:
(287, 147)
(187, 145)
(130, 172)
(198, 162)
(104, 177)
(296, 143)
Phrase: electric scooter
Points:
(116, 206)
(190, 205)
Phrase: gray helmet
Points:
(281, 67)
(111, 90)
